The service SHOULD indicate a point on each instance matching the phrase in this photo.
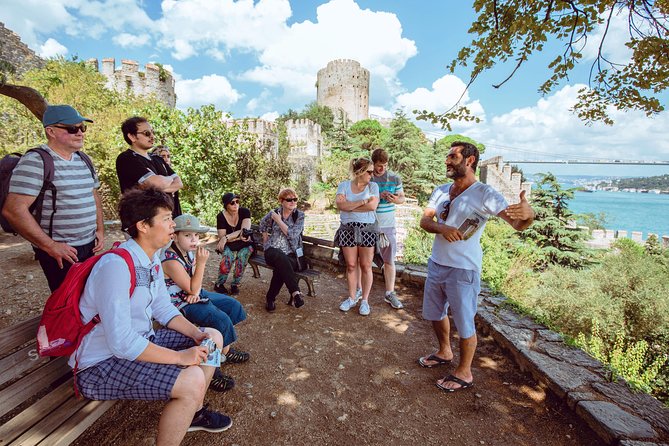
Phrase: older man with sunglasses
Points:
(137, 168)
(461, 209)
(75, 232)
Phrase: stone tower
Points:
(344, 85)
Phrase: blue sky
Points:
(259, 58)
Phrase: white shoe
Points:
(364, 308)
(358, 294)
(348, 304)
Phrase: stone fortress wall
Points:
(266, 132)
(498, 175)
(152, 81)
(17, 53)
(344, 85)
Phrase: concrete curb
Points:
(611, 409)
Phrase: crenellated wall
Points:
(344, 85)
(497, 174)
(17, 53)
(306, 148)
(266, 132)
(152, 81)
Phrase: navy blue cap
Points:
(62, 114)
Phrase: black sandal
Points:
(221, 382)
(236, 357)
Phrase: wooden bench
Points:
(308, 275)
(37, 402)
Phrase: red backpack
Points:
(61, 330)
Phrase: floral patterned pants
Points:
(234, 261)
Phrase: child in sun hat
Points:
(184, 264)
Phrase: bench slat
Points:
(50, 422)
(34, 414)
(17, 335)
(28, 386)
(19, 362)
(79, 422)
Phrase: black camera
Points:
(246, 233)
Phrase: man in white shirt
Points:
(122, 357)
(457, 213)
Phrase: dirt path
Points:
(318, 376)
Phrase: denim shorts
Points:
(456, 288)
(122, 379)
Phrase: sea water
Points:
(629, 211)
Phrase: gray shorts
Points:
(121, 379)
(455, 288)
(389, 252)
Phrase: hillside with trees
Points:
(660, 182)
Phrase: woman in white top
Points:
(356, 200)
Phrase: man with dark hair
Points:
(72, 230)
(453, 277)
(123, 357)
(136, 168)
(391, 193)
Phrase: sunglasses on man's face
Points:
(444, 213)
(291, 200)
(147, 133)
(72, 129)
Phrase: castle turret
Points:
(344, 85)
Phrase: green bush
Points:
(624, 300)
(626, 359)
(417, 245)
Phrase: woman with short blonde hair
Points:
(282, 230)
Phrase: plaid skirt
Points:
(122, 379)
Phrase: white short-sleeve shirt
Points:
(478, 202)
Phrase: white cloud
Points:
(262, 102)
(270, 116)
(44, 18)
(210, 89)
(191, 26)
(380, 112)
(32, 18)
(550, 127)
(445, 93)
(617, 35)
(126, 40)
(292, 59)
(52, 48)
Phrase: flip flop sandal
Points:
(235, 356)
(221, 382)
(463, 384)
(439, 361)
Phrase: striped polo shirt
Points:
(385, 212)
(75, 220)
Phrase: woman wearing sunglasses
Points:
(235, 247)
(281, 231)
(356, 200)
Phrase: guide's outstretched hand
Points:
(522, 210)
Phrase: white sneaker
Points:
(364, 308)
(348, 304)
(392, 299)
